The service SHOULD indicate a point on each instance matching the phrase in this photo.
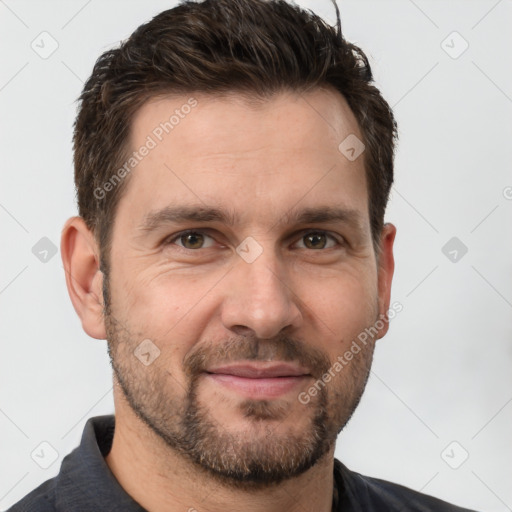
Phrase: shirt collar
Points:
(85, 481)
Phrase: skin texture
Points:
(307, 295)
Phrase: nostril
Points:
(242, 330)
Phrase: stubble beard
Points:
(263, 457)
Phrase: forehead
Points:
(257, 158)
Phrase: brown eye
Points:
(316, 240)
(192, 240)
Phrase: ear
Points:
(386, 267)
(80, 257)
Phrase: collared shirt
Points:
(86, 484)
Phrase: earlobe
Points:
(385, 272)
(84, 280)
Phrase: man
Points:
(233, 163)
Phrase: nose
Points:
(260, 298)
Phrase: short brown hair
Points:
(254, 47)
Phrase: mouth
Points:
(263, 380)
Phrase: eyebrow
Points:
(190, 213)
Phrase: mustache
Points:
(251, 348)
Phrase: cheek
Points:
(171, 309)
(174, 308)
(343, 295)
(340, 308)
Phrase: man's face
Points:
(250, 310)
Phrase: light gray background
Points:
(442, 374)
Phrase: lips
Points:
(261, 371)
(259, 380)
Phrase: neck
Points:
(160, 479)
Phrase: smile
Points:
(265, 380)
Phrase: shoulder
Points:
(41, 499)
(377, 494)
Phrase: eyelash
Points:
(177, 236)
